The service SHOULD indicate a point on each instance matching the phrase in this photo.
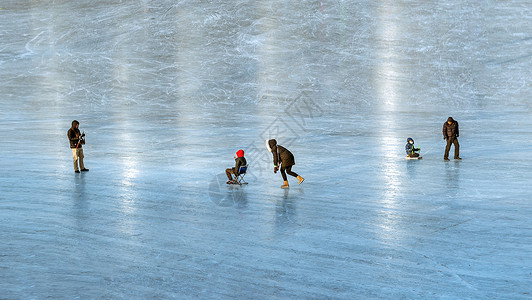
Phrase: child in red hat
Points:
(239, 162)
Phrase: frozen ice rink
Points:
(168, 91)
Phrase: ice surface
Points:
(167, 91)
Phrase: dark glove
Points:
(275, 169)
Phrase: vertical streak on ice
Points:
(194, 67)
(269, 53)
(122, 95)
(387, 70)
(387, 93)
(271, 73)
(189, 52)
(128, 174)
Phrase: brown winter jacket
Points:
(239, 162)
(73, 136)
(281, 155)
(450, 131)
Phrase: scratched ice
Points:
(167, 91)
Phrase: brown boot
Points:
(285, 185)
(300, 179)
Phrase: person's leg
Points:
(81, 156)
(447, 148)
(283, 173)
(75, 158)
(228, 172)
(456, 148)
(289, 171)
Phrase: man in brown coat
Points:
(76, 140)
(450, 134)
(285, 159)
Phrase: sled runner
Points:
(419, 157)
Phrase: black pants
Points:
(448, 148)
(287, 169)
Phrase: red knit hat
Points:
(240, 153)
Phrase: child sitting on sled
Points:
(411, 151)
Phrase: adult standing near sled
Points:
(76, 141)
(282, 160)
(450, 134)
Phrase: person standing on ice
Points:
(411, 151)
(282, 160)
(76, 140)
(450, 134)
(239, 162)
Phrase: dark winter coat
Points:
(73, 136)
(281, 155)
(410, 148)
(239, 162)
(450, 131)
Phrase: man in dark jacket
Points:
(76, 140)
(239, 162)
(285, 159)
(450, 134)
